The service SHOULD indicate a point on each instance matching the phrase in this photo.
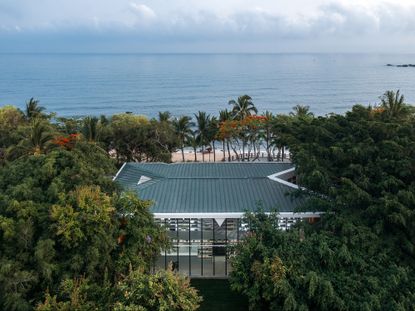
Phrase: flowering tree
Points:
(67, 142)
(244, 135)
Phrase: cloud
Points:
(143, 12)
(217, 22)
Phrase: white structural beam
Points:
(276, 177)
(232, 215)
(119, 171)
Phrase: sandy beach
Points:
(189, 156)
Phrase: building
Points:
(202, 206)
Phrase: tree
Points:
(135, 138)
(32, 245)
(327, 267)
(11, 119)
(212, 134)
(230, 131)
(183, 130)
(38, 140)
(68, 237)
(268, 133)
(193, 142)
(33, 110)
(90, 129)
(139, 239)
(202, 123)
(164, 116)
(243, 107)
(128, 137)
(224, 116)
(164, 291)
(161, 141)
(74, 295)
(137, 290)
(361, 254)
(69, 125)
(394, 105)
(282, 126)
(302, 112)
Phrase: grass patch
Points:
(218, 296)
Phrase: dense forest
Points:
(359, 169)
(70, 239)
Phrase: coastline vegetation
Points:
(71, 240)
(361, 254)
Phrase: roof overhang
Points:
(231, 215)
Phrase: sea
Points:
(76, 85)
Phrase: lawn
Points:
(217, 296)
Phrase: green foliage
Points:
(164, 116)
(182, 127)
(343, 269)
(33, 110)
(70, 241)
(90, 129)
(74, 296)
(163, 291)
(139, 240)
(360, 256)
(67, 236)
(10, 119)
(301, 112)
(394, 105)
(243, 107)
(36, 139)
(135, 138)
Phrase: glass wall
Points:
(202, 247)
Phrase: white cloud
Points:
(218, 20)
(143, 11)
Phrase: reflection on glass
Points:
(205, 252)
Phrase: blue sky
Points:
(207, 26)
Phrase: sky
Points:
(207, 26)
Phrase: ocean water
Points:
(94, 84)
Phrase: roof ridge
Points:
(215, 177)
(210, 163)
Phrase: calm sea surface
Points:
(94, 84)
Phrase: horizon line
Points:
(207, 53)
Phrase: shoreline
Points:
(176, 157)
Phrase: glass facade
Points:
(201, 247)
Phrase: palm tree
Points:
(33, 110)
(213, 129)
(164, 116)
(243, 107)
(225, 115)
(202, 122)
(38, 142)
(193, 141)
(183, 130)
(90, 129)
(393, 103)
(268, 133)
(302, 112)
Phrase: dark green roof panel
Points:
(209, 187)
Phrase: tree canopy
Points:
(359, 169)
(70, 239)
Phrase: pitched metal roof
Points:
(209, 187)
